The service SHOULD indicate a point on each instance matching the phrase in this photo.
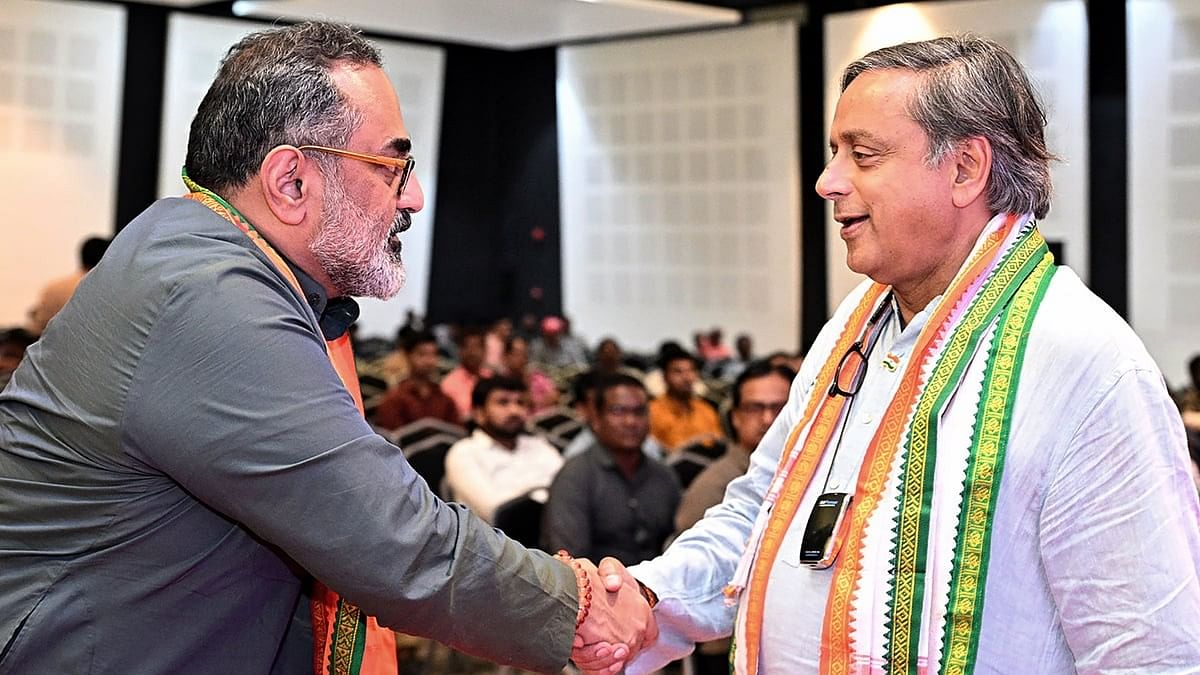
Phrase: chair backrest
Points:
(687, 466)
(428, 458)
(521, 519)
(707, 447)
(551, 418)
(414, 432)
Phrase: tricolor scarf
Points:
(908, 588)
(345, 641)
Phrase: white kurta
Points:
(1095, 549)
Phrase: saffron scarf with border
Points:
(907, 593)
(345, 641)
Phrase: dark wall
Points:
(141, 110)
(496, 235)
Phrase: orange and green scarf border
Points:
(797, 467)
(345, 641)
(1026, 273)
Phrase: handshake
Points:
(615, 621)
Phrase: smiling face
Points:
(358, 241)
(898, 217)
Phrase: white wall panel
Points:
(195, 46)
(1050, 41)
(1164, 180)
(61, 69)
(679, 176)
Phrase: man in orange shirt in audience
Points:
(678, 416)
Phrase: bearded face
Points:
(360, 250)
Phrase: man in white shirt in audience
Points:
(498, 462)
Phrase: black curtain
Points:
(496, 232)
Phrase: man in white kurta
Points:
(1091, 544)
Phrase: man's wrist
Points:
(582, 587)
(648, 593)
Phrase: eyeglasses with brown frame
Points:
(402, 165)
(852, 368)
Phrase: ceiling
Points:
(498, 24)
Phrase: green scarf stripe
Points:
(906, 597)
(349, 640)
(360, 642)
(960, 640)
(960, 347)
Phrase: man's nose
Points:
(833, 181)
(413, 197)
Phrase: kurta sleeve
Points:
(1122, 494)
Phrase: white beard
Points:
(356, 258)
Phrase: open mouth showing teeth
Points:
(850, 222)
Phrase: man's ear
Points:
(283, 177)
(972, 165)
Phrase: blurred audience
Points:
(543, 392)
(13, 343)
(418, 396)
(495, 342)
(54, 295)
(1188, 399)
(460, 382)
(556, 348)
(498, 462)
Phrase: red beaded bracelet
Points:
(583, 586)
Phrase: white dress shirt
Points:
(482, 474)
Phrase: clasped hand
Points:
(619, 622)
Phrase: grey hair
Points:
(971, 86)
(274, 88)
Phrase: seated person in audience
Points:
(393, 366)
(555, 348)
(498, 462)
(494, 342)
(418, 396)
(543, 393)
(759, 393)
(654, 379)
(1188, 399)
(460, 382)
(610, 359)
(13, 343)
(613, 500)
(583, 402)
(744, 346)
(55, 294)
(679, 416)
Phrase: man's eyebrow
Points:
(852, 136)
(401, 146)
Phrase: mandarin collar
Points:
(334, 315)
